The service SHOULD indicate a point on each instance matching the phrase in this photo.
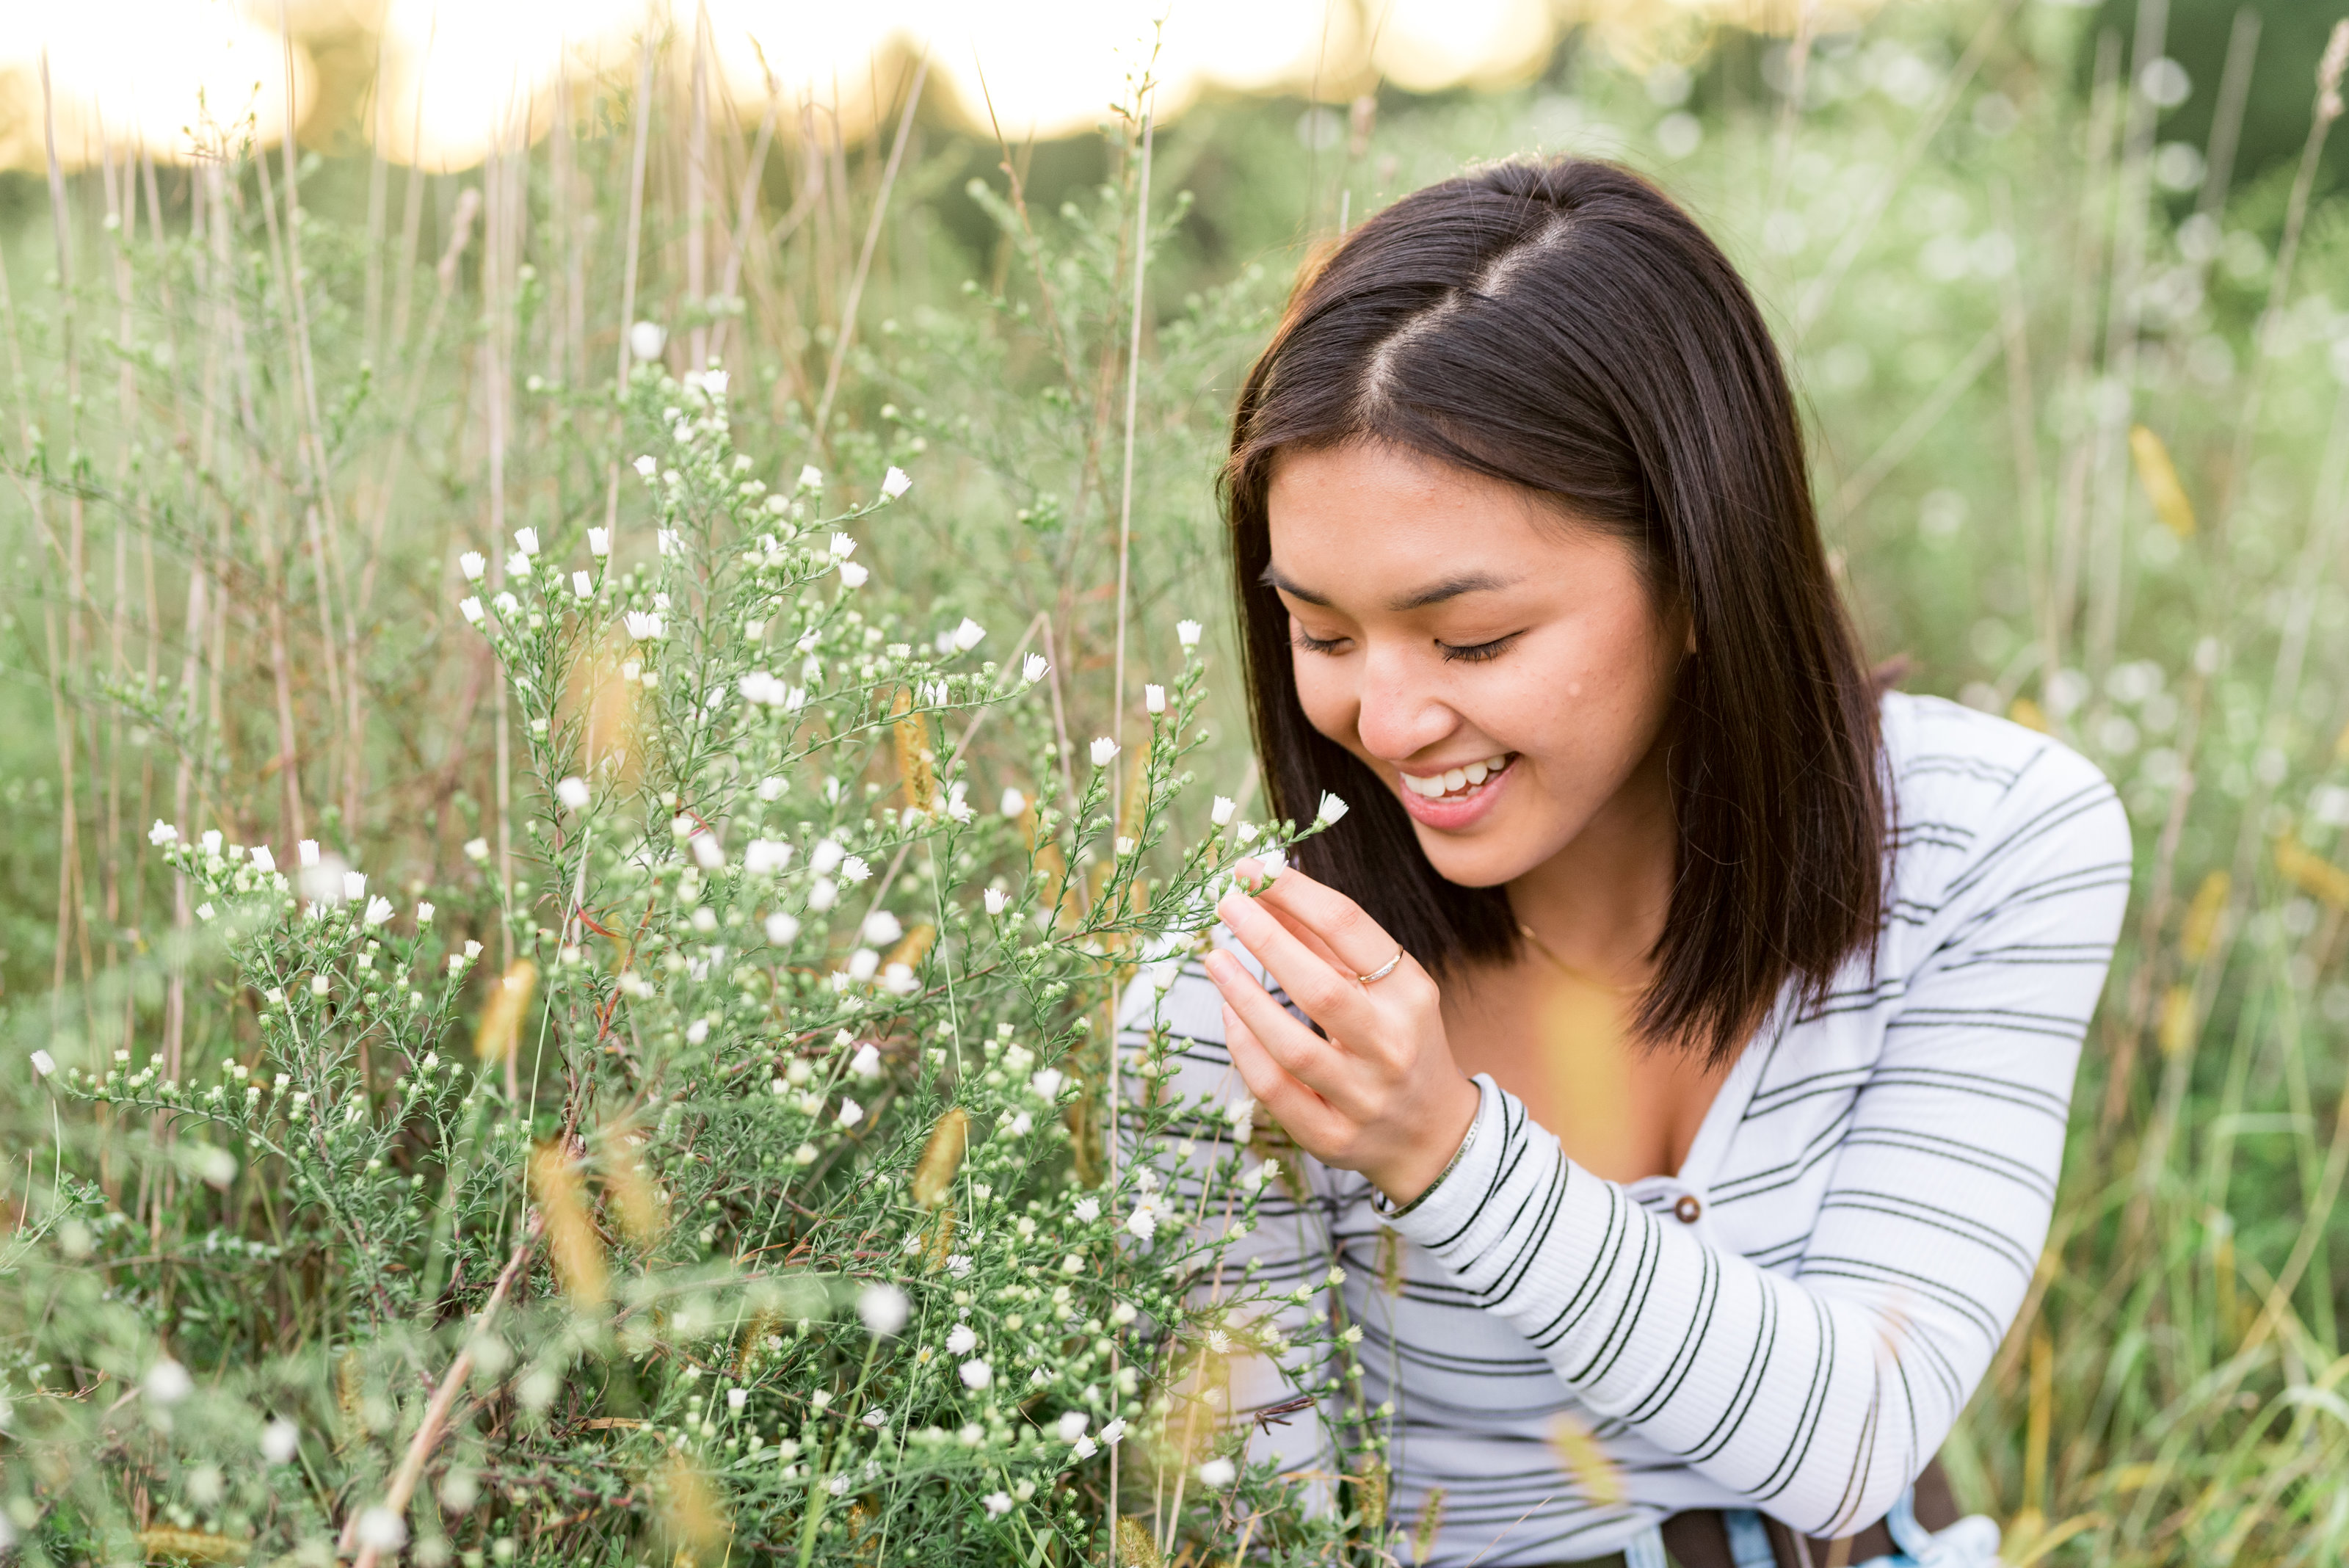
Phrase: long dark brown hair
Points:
(1563, 325)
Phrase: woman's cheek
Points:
(1326, 697)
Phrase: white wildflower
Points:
(781, 927)
(1084, 1448)
(823, 894)
(582, 586)
(997, 901)
(573, 793)
(507, 606)
(1218, 1474)
(526, 541)
(853, 870)
(961, 1339)
(1104, 751)
(280, 1441)
(167, 1383)
(1142, 1223)
(1187, 632)
(881, 929)
(477, 850)
(43, 1063)
(895, 482)
(162, 833)
(715, 382)
(764, 857)
(599, 542)
(382, 1530)
(977, 1374)
(423, 914)
(517, 565)
(470, 608)
(863, 963)
(646, 339)
(263, 861)
(645, 626)
(1221, 815)
(471, 564)
(1331, 809)
(851, 1113)
(884, 1309)
(1087, 1210)
(1073, 1424)
(1047, 1084)
(645, 466)
(1153, 698)
(997, 1503)
(968, 635)
(810, 477)
(354, 885)
(1113, 1432)
(378, 910)
(1033, 667)
(708, 853)
(958, 1264)
(851, 574)
(867, 1065)
(1013, 803)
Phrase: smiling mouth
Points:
(1456, 784)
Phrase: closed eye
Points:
(1478, 653)
(1312, 644)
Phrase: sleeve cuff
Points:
(1452, 1202)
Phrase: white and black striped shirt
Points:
(1794, 1321)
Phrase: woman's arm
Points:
(1817, 1396)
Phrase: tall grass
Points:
(2078, 397)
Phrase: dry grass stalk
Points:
(942, 1158)
(571, 1244)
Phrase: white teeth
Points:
(1452, 780)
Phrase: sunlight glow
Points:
(455, 77)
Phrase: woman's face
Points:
(1503, 670)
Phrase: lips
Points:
(1453, 782)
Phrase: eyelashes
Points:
(1479, 652)
(1475, 653)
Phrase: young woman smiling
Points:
(1676, 1038)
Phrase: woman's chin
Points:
(1490, 860)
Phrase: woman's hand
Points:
(1381, 1095)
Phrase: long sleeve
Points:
(1290, 1243)
(1819, 1395)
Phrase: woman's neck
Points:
(1598, 904)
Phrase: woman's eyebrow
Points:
(1419, 598)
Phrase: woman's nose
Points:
(1399, 716)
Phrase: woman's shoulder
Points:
(1969, 788)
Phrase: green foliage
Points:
(253, 434)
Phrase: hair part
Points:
(1562, 326)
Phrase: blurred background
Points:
(2062, 286)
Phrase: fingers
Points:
(1359, 943)
(1327, 992)
(1298, 1110)
(1314, 1062)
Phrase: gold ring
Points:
(1383, 970)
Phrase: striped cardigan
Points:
(1794, 1320)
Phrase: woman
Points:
(1697, 1019)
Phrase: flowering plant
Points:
(786, 1202)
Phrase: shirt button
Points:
(1687, 1209)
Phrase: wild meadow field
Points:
(588, 742)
